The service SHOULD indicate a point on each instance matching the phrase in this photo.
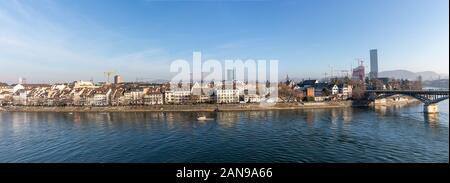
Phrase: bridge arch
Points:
(428, 97)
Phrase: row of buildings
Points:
(321, 91)
(80, 93)
(83, 93)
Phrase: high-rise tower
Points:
(373, 64)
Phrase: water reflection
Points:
(335, 115)
(227, 119)
(414, 111)
(381, 109)
(310, 116)
(432, 119)
(379, 134)
(347, 115)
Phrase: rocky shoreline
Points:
(180, 108)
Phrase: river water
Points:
(382, 134)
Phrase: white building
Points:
(334, 90)
(101, 98)
(177, 96)
(135, 96)
(227, 96)
(345, 91)
(18, 87)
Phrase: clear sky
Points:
(66, 40)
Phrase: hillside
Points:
(405, 74)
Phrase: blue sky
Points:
(66, 40)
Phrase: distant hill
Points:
(159, 81)
(441, 83)
(405, 74)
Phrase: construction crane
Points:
(108, 75)
(344, 73)
(325, 75)
(332, 70)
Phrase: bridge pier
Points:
(430, 108)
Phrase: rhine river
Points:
(382, 134)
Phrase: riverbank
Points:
(180, 108)
(403, 100)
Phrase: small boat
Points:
(203, 118)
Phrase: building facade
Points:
(118, 79)
(226, 96)
(359, 72)
(177, 96)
